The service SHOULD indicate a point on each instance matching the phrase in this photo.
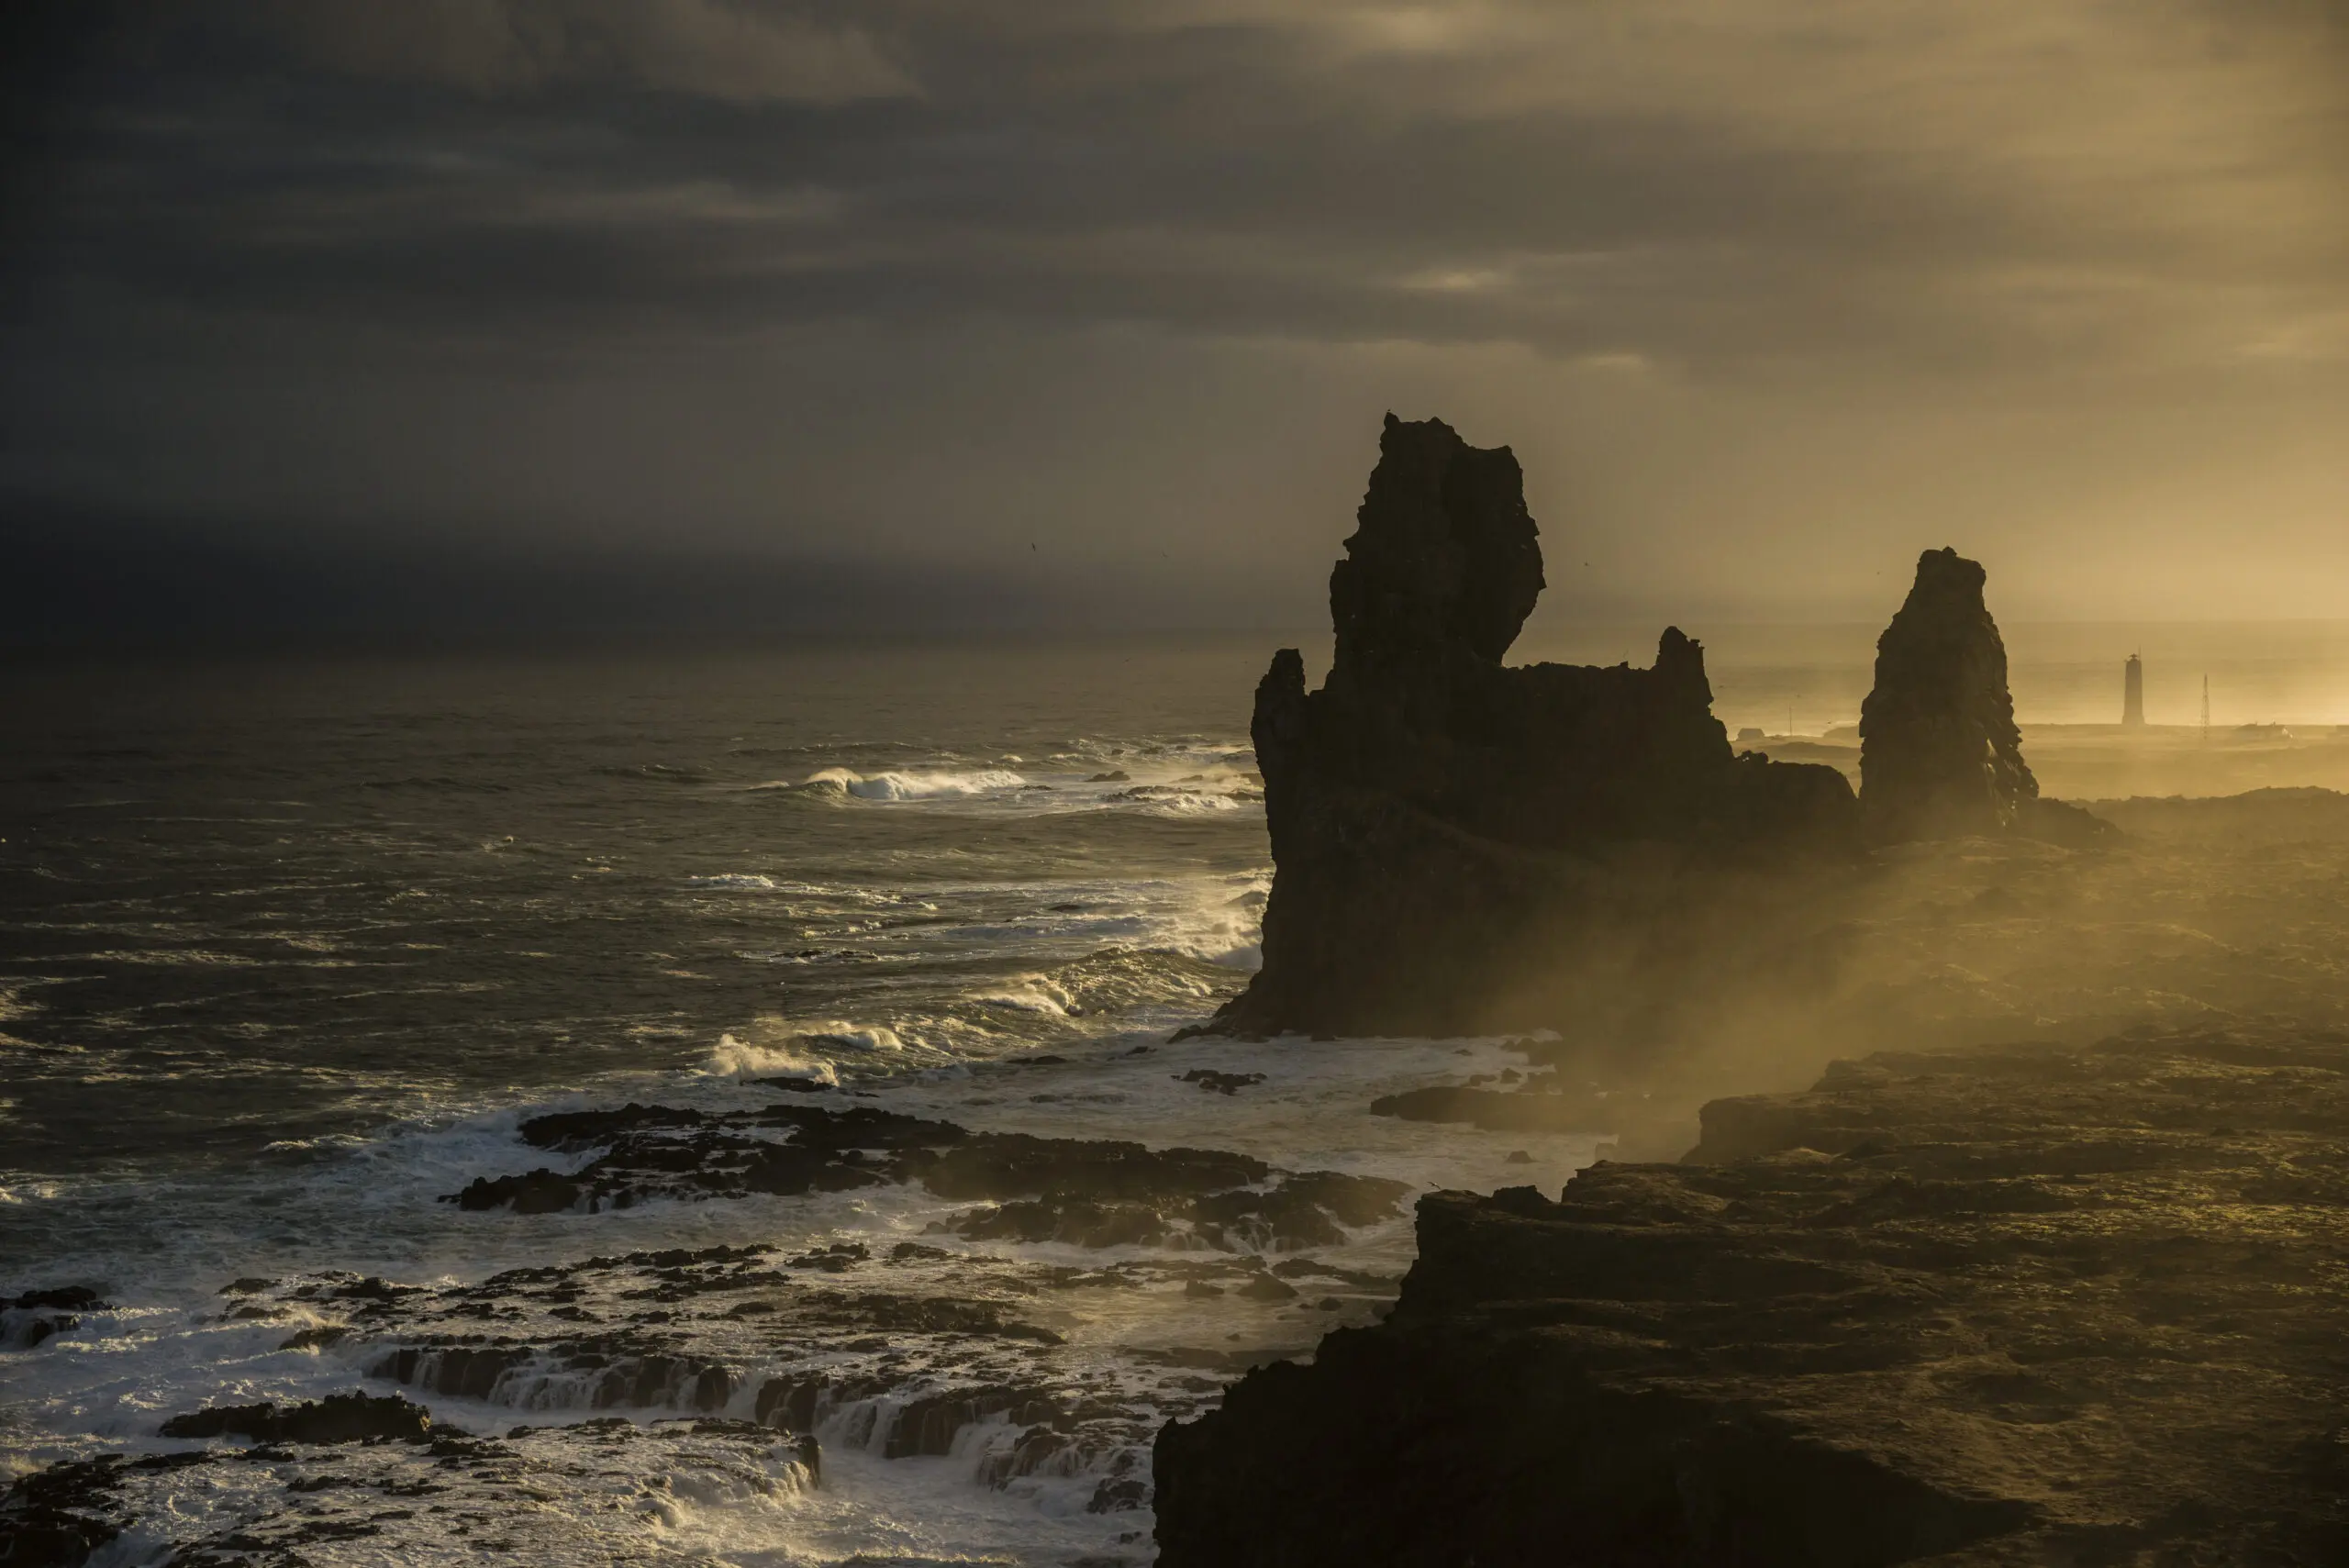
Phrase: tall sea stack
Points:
(1443, 825)
(1940, 753)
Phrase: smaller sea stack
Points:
(1940, 753)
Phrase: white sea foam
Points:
(1029, 994)
(936, 784)
(733, 1058)
(169, 1346)
(1187, 803)
(1224, 924)
(1214, 919)
(1020, 980)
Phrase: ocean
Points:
(295, 950)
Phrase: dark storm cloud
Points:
(1592, 178)
(838, 277)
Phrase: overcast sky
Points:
(1111, 294)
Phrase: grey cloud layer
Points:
(702, 47)
(1997, 186)
(1766, 293)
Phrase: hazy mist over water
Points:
(170, 814)
(2061, 673)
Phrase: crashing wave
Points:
(735, 1058)
(937, 784)
(1029, 994)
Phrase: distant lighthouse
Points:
(2132, 694)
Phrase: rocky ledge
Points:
(2021, 1304)
(1082, 1192)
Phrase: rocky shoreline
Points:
(741, 1367)
(2071, 1300)
(2010, 1305)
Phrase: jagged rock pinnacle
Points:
(1436, 816)
(1940, 753)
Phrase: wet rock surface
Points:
(1434, 815)
(738, 1370)
(34, 1317)
(2013, 1304)
(416, 1498)
(338, 1418)
(739, 1367)
(1088, 1192)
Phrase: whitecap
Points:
(1227, 930)
(799, 1050)
(935, 785)
(1029, 994)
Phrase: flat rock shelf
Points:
(2030, 1305)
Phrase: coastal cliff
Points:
(1443, 824)
(1995, 1306)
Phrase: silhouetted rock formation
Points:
(1436, 817)
(1967, 1305)
(1940, 753)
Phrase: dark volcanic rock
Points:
(71, 1298)
(1086, 1192)
(56, 1518)
(1433, 812)
(1523, 1110)
(537, 1192)
(1940, 753)
(570, 1132)
(662, 1151)
(37, 1316)
(1004, 1165)
(2030, 1305)
(1216, 1083)
(1304, 1210)
(336, 1418)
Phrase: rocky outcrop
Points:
(1994, 1305)
(336, 1418)
(1440, 821)
(1940, 751)
(1081, 1192)
(35, 1316)
(1940, 755)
